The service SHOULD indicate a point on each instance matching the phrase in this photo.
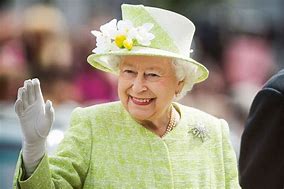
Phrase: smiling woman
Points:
(146, 87)
(145, 140)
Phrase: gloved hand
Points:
(36, 119)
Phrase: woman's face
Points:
(147, 86)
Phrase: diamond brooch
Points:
(200, 131)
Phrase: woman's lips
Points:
(141, 101)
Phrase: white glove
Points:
(36, 119)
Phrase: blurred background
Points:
(240, 41)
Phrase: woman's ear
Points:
(179, 86)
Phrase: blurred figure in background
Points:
(261, 161)
(49, 52)
(13, 66)
(248, 62)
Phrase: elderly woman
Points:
(143, 141)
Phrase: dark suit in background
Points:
(261, 163)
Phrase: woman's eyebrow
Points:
(156, 69)
(127, 64)
(151, 68)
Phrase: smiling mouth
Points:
(141, 101)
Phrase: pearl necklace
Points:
(172, 122)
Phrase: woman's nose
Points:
(139, 84)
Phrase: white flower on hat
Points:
(143, 36)
(109, 29)
(125, 27)
(122, 34)
(103, 43)
(104, 38)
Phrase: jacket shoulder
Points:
(104, 113)
(196, 117)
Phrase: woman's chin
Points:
(139, 115)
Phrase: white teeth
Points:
(141, 99)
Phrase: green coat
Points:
(105, 148)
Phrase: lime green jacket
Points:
(105, 148)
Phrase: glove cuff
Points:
(32, 155)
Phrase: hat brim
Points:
(99, 61)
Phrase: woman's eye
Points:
(129, 71)
(152, 75)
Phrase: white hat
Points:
(145, 31)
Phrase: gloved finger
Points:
(25, 98)
(20, 91)
(37, 89)
(30, 92)
(25, 83)
(19, 107)
(49, 111)
(27, 90)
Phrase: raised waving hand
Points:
(36, 118)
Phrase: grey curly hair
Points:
(188, 73)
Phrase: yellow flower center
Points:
(119, 40)
(128, 44)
